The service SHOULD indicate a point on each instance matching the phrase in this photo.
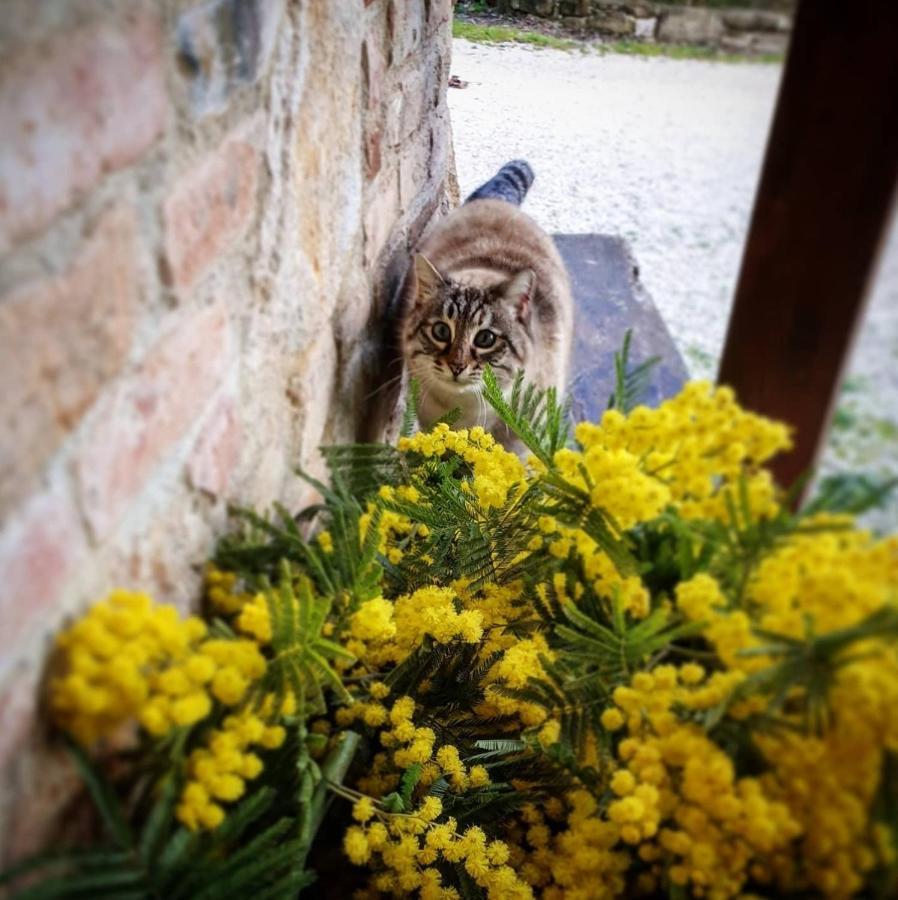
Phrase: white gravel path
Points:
(667, 154)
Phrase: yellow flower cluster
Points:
(221, 589)
(680, 801)
(408, 745)
(616, 482)
(128, 658)
(837, 577)
(255, 620)
(519, 663)
(599, 568)
(224, 669)
(405, 852)
(729, 631)
(495, 471)
(385, 632)
(395, 529)
(567, 850)
(404, 849)
(218, 772)
(690, 451)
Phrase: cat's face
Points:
(454, 330)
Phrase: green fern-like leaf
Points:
(536, 416)
(166, 860)
(301, 661)
(854, 493)
(630, 382)
(410, 414)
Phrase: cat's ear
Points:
(518, 293)
(427, 279)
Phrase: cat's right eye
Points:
(441, 332)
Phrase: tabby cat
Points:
(486, 287)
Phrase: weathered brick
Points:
(18, 708)
(62, 339)
(373, 140)
(46, 782)
(39, 552)
(440, 14)
(416, 95)
(374, 66)
(88, 102)
(223, 45)
(414, 167)
(381, 213)
(141, 423)
(409, 29)
(209, 209)
(214, 458)
(311, 389)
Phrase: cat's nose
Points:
(457, 368)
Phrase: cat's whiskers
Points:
(388, 383)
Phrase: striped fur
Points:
(510, 184)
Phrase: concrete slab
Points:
(609, 299)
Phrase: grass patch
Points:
(500, 34)
(684, 51)
(504, 34)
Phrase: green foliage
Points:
(502, 34)
(731, 550)
(410, 414)
(301, 662)
(349, 573)
(615, 651)
(804, 670)
(630, 382)
(854, 493)
(465, 539)
(164, 860)
(535, 416)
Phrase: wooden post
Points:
(821, 211)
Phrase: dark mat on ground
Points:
(609, 299)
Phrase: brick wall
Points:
(202, 205)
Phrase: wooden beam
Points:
(821, 211)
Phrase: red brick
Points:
(209, 209)
(374, 66)
(38, 556)
(142, 422)
(87, 102)
(63, 338)
(214, 458)
(373, 142)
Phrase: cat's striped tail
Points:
(510, 183)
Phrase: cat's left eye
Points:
(484, 339)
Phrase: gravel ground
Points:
(665, 153)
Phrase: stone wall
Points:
(733, 30)
(202, 206)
